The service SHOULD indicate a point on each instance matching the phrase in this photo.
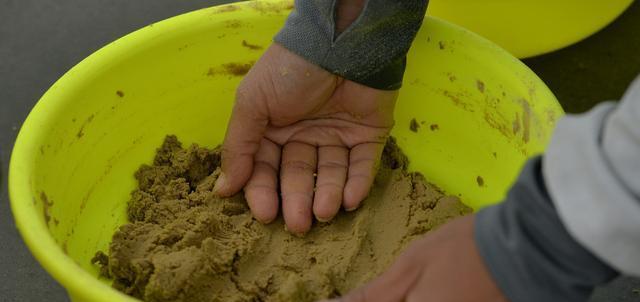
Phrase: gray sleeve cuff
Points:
(372, 51)
(528, 251)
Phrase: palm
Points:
(347, 118)
(292, 121)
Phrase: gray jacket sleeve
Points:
(372, 51)
(592, 170)
(572, 220)
(528, 251)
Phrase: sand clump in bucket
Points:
(185, 244)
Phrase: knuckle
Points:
(360, 176)
(239, 148)
(298, 166)
(333, 165)
(259, 187)
(364, 161)
(296, 195)
(330, 186)
(264, 164)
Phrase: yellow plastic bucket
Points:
(481, 111)
(528, 28)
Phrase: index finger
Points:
(245, 131)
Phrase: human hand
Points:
(293, 120)
(444, 266)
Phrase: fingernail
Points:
(351, 209)
(323, 219)
(263, 221)
(299, 235)
(220, 183)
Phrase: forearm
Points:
(368, 48)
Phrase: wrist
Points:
(347, 11)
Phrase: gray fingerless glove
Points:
(372, 51)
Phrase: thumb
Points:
(391, 286)
(246, 128)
